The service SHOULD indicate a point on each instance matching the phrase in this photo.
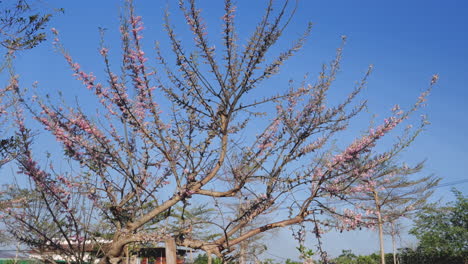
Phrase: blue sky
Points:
(406, 41)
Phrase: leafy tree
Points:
(136, 163)
(443, 230)
(203, 259)
(269, 261)
(390, 192)
(347, 257)
(418, 256)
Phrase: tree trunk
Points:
(380, 225)
(114, 256)
(394, 243)
(243, 246)
(171, 251)
(242, 253)
(209, 257)
(127, 255)
(241, 231)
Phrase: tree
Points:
(137, 162)
(347, 257)
(443, 231)
(418, 256)
(21, 28)
(390, 192)
(203, 259)
(394, 229)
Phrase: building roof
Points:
(12, 254)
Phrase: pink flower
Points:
(103, 51)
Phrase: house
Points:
(142, 254)
(157, 255)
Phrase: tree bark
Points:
(171, 251)
(380, 225)
(394, 243)
(242, 252)
(208, 254)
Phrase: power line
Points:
(337, 203)
(273, 255)
(451, 183)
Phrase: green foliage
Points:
(443, 231)
(306, 253)
(418, 256)
(289, 261)
(203, 259)
(347, 257)
(269, 261)
(19, 261)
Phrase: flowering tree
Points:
(21, 28)
(169, 136)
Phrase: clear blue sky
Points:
(407, 41)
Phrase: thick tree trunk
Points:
(115, 252)
(171, 251)
(113, 256)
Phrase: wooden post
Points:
(171, 251)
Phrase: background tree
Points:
(21, 28)
(443, 230)
(347, 257)
(50, 214)
(21, 25)
(394, 230)
(390, 192)
(135, 162)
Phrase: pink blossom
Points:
(103, 51)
